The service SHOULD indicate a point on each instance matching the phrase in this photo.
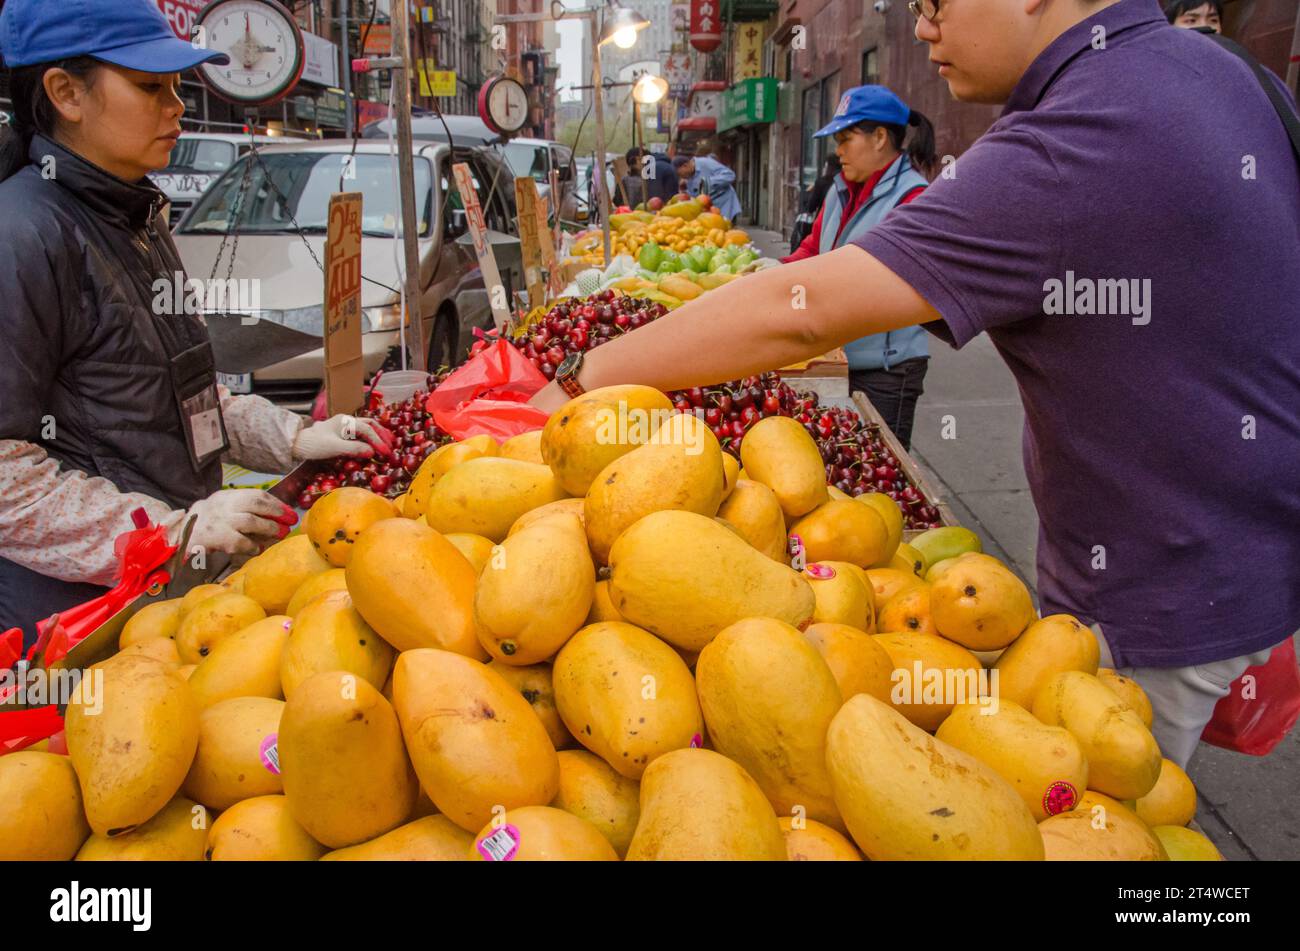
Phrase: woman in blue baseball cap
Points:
(885, 151)
(109, 401)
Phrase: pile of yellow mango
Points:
(633, 230)
(607, 639)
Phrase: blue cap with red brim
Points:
(866, 104)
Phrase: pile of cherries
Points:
(390, 475)
(581, 324)
(857, 459)
(729, 409)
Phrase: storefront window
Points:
(819, 102)
(812, 115)
(870, 67)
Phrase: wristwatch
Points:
(566, 374)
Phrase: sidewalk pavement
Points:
(1247, 804)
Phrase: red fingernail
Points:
(284, 530)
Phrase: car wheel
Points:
(443, 351)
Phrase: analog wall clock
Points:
(265, 48)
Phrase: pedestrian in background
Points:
(1191, 14)
(662, 183)
(632, 186)
(810, 202)
(705, 175)
(885, 150)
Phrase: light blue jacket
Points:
(715, 179)
(878, 351)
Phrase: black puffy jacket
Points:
(82, 348)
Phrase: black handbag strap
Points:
(1289, 119)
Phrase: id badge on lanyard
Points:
(194, 384)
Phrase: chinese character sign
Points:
(748, 49)
(706, 25)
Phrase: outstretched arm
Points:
(762, 322)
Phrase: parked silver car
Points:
(536, 159)
(273, 225)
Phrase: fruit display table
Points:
(464, 676)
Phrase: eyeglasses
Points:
(924, 8)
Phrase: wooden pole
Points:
(401, 77)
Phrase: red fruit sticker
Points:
(697, 741)
(1060, 797)
(501, 846)
(269, 752)
(820, 572)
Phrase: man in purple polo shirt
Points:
(1128, 233)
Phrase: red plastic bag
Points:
(141, 553)
(1256, 714)
(489, 394)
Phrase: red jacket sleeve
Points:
(912, 194)
(808, 246)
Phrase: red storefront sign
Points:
(181, 15)
(706, 25)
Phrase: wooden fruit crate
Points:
(827, 375)
(906, 463)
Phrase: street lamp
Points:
(645, 92)
(621, 26)
(650, 89)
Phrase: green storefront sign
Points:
(747, 102)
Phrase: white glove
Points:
(343, 436)
(239, 521)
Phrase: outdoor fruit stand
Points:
(729, 622)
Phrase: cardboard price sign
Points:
(344, 369)
(554, 275)
(531, 233)
(487, 262)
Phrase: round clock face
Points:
(264, 46)
(508, 105)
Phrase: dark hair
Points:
(33, 111)
(633, 154)
(831, 167)
(1176, 8)
(920, 145)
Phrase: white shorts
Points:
(1183, 698)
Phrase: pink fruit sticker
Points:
(1060, 797)
(269, 752)
(795, 544)
(288, 624)
(697, 741)
(502, 845)
(820, 572)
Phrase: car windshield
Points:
(201, 155)
(285, 187)
(527, 161)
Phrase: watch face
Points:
(569, 365)
(264, 46)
